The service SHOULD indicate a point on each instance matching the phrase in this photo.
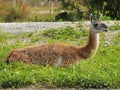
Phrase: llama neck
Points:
(93, 41)
(92, 45)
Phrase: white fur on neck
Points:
(59, 62)
(96, 37)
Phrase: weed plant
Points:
(40, 18)
(116, 26)
(101, 71)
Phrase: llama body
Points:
(46, 54)
(57, 54)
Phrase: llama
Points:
(59, 54)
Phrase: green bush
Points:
(116, 26)
(104, 18)
(63, 16)
(107, 7)
(74, 8)
(41, 18)
(63, 33)
(16, 15)
(71, 16)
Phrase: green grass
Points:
(101, 71)
(116, 26)
(40, 17)
(116, 40)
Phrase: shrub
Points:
(40, 18)
(116, 26)
(107, 7)
(62, 16)
(16, 15)
(72, 16)
(108, 18)
(63, 33)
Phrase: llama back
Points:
(52, 54)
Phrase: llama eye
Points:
(95, 24)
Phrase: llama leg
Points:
(59, 62)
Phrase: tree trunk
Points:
(23, 5)
(51, 9)
(14, 3)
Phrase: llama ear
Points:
(91, 17)
(100, 17)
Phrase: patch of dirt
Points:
(32, 26)
(37, 26)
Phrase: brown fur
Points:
(51, 53)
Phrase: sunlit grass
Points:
(116, 26)
(101, 71)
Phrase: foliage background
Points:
(54, 10)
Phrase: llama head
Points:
(97, 26)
